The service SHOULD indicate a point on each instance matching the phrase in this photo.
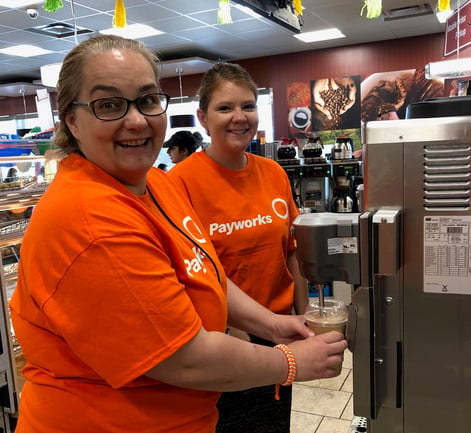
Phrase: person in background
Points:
(245, 204)
(182, 144)
(12, 175)
(162, 166)
(122, 318)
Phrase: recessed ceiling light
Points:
(19, 3)
(320, 35)
(24, 51)
(134, 31)
(59, 30)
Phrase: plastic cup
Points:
(333, 316)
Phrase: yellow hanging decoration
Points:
(298, 7)
(224, 12)
(443, 5)
(119, 17)
(373, 8)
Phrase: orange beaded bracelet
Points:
(291, 369)
(291, 364)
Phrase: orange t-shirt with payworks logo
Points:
(108, 287)
(248, 214)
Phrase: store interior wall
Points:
(276, 72)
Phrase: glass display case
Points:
(23, 180)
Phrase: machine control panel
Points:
(308, 170)
(346, 168)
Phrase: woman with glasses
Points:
(121, 303)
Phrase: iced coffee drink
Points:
(332, 317)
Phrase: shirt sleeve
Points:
(125, 291)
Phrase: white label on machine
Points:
(447, 255)
(342, 246)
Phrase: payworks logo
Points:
(279, 207)
(196, 264)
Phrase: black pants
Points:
(255, 410)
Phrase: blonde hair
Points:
(71, 78)
(223, 72)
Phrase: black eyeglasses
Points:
(116, 107)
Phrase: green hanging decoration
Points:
(373, 8)
(224, 12)
(52, 5)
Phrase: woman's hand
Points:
(287, 329)
(320, 356)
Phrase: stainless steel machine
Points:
(408, 255)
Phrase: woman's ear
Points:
(202, 118)
(71, 122)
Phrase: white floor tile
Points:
(302, 422)
(347, 359)
(319, 401)
(332, 425)
(334, 383)
(347, 414)
(324, 405)
(348, 384)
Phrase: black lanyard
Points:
(172, 223)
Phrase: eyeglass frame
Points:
(91, 105)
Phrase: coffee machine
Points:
(309, 174)
(346, 176)
(408, 257)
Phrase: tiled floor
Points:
(325, 405)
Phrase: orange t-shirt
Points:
(248, 214)
(107, 289)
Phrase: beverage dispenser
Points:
(328, 248)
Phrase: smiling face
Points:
(125, 148)
(232, 121)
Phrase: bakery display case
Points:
(23, 180)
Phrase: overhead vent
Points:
(407, 12)
(59, 30)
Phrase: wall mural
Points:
(332, 107)
(336, 103)
(386, 95)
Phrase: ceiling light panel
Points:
(135, 31)
(320, 35)
(19, 3)
(24, 51)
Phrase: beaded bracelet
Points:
(291, 368)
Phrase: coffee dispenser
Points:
(342, 149)
(328, 248)
(343, 197)
(342, 202)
